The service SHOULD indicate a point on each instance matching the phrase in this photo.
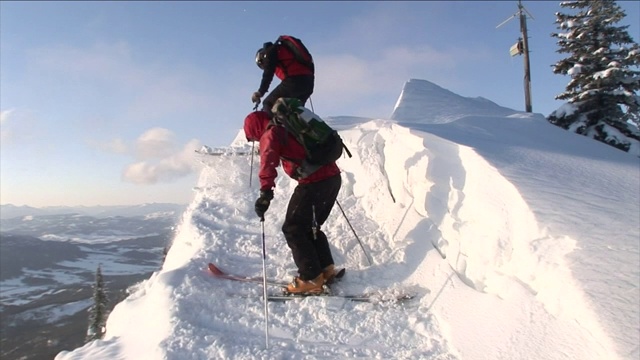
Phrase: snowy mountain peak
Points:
(519, 239)
(422, 101)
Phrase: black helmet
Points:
(261, 54)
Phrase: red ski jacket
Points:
(277, 145)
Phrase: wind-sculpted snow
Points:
(425, 102)
(430, 190)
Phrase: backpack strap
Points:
(274, 123)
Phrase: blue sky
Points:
(103, 102)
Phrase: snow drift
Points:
(538, 228)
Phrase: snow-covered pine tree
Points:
(603, 62)
(98, 311)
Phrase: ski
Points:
(372, 298)
(217, 272)
(213, 269)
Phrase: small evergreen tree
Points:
(603, 64)
(98, 311)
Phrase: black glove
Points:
(255, 97)
(262, 204)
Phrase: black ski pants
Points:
(310, 253)
(300, 87)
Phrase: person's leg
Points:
(282, 90)
(297, 228)
(300, 87)
(325, 195)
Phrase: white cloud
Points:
(155, 143)
(169, 168)
(159, 158)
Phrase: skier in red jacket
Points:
(309, 205)
(296, 71)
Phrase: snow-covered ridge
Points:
(539, 228)
(422, 101)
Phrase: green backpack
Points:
(322, 144)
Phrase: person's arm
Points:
(271, 61)
(270, 149)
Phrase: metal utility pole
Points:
(525, 46)
(522, 48)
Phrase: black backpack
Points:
(323, 145)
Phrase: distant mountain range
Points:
(8, 211)
(47, 287)
(48, 260)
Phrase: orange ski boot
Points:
(299, 286)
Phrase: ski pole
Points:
(354, 233)
(253, 144)
(314, 223)
(264, 286)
